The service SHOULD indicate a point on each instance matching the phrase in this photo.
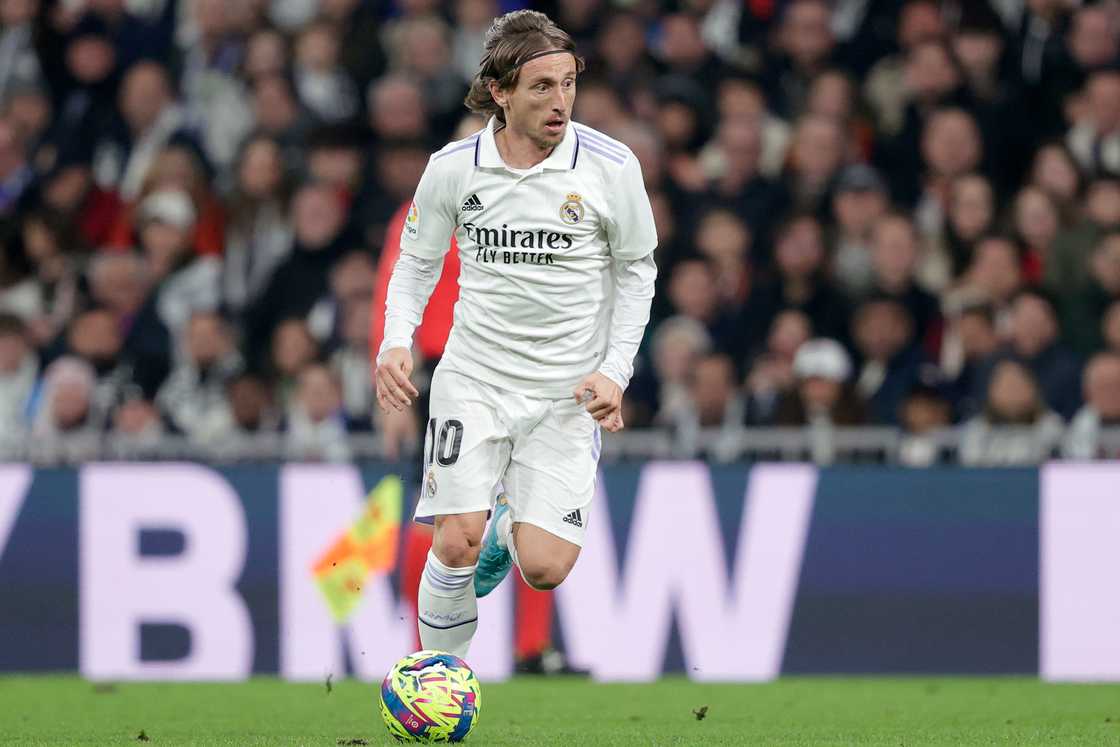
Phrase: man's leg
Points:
(545, 560)
(447, 610)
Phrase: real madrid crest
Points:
(431, 483)
(571, 212)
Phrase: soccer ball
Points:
(430, 696)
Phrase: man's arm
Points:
(424, 241)
(633, 295)
(632, 237)
(410, 286)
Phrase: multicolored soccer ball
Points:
(430, 696)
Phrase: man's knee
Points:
(545, 575)
(457, 541)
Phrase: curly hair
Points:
(511, 41)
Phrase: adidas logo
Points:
(575, 518)
(472, 204)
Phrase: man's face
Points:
(1033, 326)
(540, 105)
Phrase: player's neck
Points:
(518, 151)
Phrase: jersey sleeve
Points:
(631, 233)
(430, 222)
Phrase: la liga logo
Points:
(412, 221)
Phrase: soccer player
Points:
(556, 238)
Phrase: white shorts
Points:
(543, 453)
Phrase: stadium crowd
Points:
(894, 212)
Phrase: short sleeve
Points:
(631, 233)
(430, 222)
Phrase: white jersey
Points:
(538, 249)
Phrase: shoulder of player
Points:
(456, 153)
(602, 150)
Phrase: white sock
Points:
(448, 610)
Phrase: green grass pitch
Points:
(574, 713)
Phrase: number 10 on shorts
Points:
(445, 449)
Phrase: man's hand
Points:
(393, 387)
(602, 398)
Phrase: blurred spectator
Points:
(714, 403)
(971, 216)
(1083, 312)
(176, 168)
(95, 337)
(1110, 327)
(185, 283)
(278, 114)
(259, 236)
(293, 349)
(660, 396)
(50, 250)
(350, 363)
(694, 293)
(734, 159)
(472, 19)
(883, 332)
(742, 100)
(251, 404)
(334, 157)
(266, 54)
(974, 331)
(1015, 427)
(924, 412)
(19, 368)
(65, 403)
(15, 171)
(894, 257)
(396, 108)
(950, 147)
(300, 280)
(818, 151)
(152, 118)
(1094, 138)
(213, 98)
(771, 374)
(19, 65)
(120, 283)
(621, 57)
(995, 274)
(860, 200)
(803, 45)
(725, 240)
(1055, 172)
(1068, 271)
(1101, 388)
(139, 421)
(822, 395)
(885, 86)
(1034, 339)
(422, 50)
(1037, 223)
(800, 284)
(194, 394)
(316, 429)
(320, 80)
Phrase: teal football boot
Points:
(494, 561)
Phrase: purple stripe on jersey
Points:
(609, 155)
(602, 140)
(575, 152)
(477, 140)
(456, 149)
